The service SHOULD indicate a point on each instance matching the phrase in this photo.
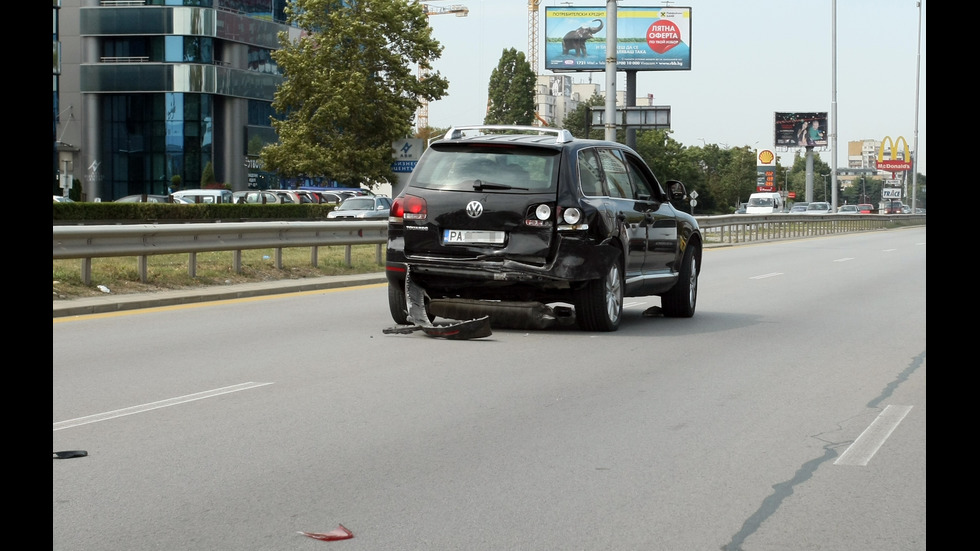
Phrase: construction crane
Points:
(532, 34)
(532, 50)
(422, 117)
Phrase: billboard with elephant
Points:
(647, 38)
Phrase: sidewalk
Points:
(116, 303)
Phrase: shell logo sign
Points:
(766, 158)
(894, 164)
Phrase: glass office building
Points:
(146, 90)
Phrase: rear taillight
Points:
(396, 210)
(408, 207)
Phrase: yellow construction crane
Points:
(532, 34)
(422, 118)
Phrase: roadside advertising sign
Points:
(894, 163)
(801, 129)
(405, 154)
(765, 168)
(647, 38)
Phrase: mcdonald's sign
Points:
(894, 164)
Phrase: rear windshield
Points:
(490, 168)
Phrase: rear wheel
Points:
(599, 305)
(397, 303)
(681, 301)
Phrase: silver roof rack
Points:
(561, 135)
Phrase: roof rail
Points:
(561, 135)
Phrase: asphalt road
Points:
(788, 413)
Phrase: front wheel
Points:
(682, 299)
(599, 305)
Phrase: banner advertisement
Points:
(648, 38)
(801, 129)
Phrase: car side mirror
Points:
(676, 190)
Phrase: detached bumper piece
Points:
(462, 330)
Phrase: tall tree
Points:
(576, 119)
(511, 90)
(349, 88)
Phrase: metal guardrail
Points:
(143, 240)
(744, 228)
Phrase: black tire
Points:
(599, 305)
(682, 299)
(397, 303)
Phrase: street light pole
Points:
(915, 140)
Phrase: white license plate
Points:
(450, 237)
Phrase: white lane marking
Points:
(888, 250)
(763, 276)
(154, 405)
(845, 259)
(862, 449)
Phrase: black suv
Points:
(524, 214)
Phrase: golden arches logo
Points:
(887, 142)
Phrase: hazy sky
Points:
(749, 60)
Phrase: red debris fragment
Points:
(340, 533)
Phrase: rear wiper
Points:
(481, 185)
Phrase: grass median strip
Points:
(120, 275)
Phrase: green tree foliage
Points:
(576, 119)
(75, 192)
(511, 90)
(428, 132)
(739, 176)
(349, 90)
(207, 175)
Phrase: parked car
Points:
(331, 197)
(62, 199)
(203, 196)
(798, 208)
(920, 210)
(818, 207)
(362, 207)
(906, 209)
(741, 209)
(287, 196)
(256, 197)
(307, 196)
(145, 198)
(866, 208)
(534, 216)
(892, 207)
(848, 209)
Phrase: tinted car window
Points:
(509, 168)
(617, 180)
(589, 175)
(646, 186)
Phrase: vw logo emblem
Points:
(474, 209)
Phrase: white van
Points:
(203, 196)
(764, 202)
